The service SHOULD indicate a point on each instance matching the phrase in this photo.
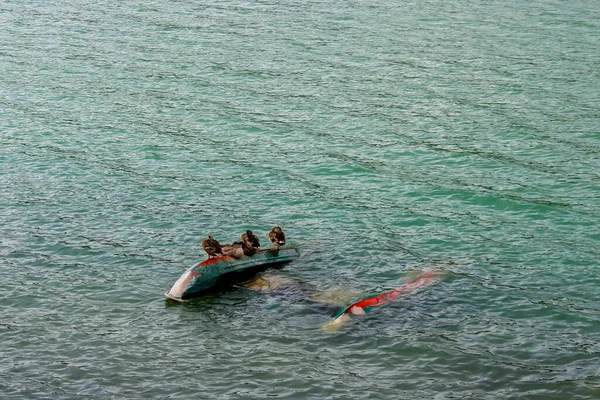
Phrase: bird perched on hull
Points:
(277, 237)
(212, 247)
(249, 250)
(250, 239)
(238, 249)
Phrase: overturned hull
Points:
(368, 303)
(227, 270)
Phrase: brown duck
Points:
(277, 237)
(249, 250)
(250, 239)
(212, 247)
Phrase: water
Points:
(386, 137)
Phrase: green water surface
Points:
(386, 137)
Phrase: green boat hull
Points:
(227, 270)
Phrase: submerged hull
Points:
(365, 305)
(227, 270)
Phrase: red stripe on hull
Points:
(392, 295)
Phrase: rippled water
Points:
(386, 137)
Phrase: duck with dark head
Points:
(212, 247)
(250, 239)
(277, 237)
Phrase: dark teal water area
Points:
(386, 137)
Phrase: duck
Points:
(277, 237)
(238, 249)
(250, 239)
(249, 250)
(212, 247)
